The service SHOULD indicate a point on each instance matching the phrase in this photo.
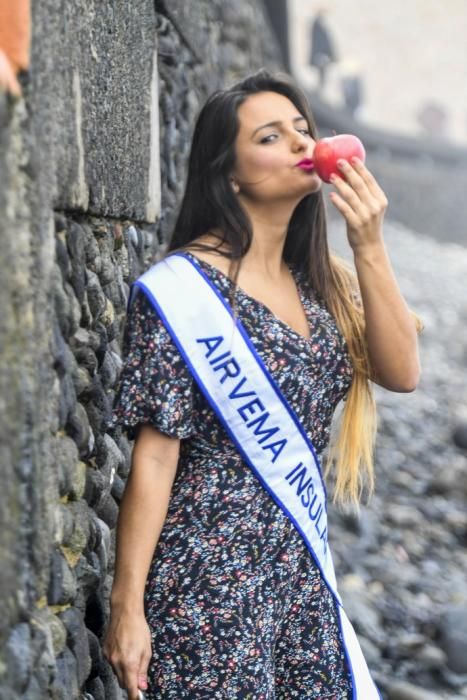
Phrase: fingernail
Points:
(341, 163)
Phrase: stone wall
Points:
(91, 169)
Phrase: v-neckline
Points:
(257, 301)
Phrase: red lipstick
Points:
(306, 164)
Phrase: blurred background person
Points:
(323, 51)
(432, 117)
(351, 83)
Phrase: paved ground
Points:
(410, 53)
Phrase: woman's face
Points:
(273, 139)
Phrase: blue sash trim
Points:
(260, 362)
(139, 284)
(227, 428)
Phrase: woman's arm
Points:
(390, 327)
(142, 514)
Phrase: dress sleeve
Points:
(155, 385)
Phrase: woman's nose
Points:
(300, 141)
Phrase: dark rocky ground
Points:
(402, 565)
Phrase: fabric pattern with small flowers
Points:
(236, 604)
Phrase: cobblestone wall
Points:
(91, 170)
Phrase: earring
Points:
(235, 186)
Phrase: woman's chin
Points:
(314, 185)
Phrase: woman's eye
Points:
(304, 131)
(269, 138)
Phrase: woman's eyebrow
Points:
(277, 123)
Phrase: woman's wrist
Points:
(370, 253)
(125, 601)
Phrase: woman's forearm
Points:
(142, 514)
(390, 326)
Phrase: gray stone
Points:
(431, 656)
(454, 637)
(95, 652)
(63, 523)
(59, 351)
(104, 547)
(34, 691)
(78, 642)
(81, 338)
(86, 357)
(95, 486)
(110, 369)
(96, 690)
(81, 381)
(86, 314)
(459, 436)
(92, 251)
(78, 483)
(62, 258)
(106, 249)
(67, 400)
(88, 572)
(77, 539)
(371, 651)
(80, 430)
(118, 488)
(67, 676)
(360, 609)
(44, 661)
(65, 457)
(95, 296)
(58, 634)
(400, 690)
(62, 584)
(112, 690)
(62, 302)
(76, 245)
(109, 457)
(98, 407)
(19, 656)
(115, 290)
(404, 516)
(107, 510)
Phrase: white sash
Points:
(257, 417)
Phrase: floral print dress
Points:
(235, 603)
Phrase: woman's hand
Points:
(127, 647)
(362, 203)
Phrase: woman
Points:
(211, 572)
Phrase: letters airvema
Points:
(257, 418)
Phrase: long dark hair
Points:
(209, 203)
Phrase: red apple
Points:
(331, 149)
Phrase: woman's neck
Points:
(265, 255)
